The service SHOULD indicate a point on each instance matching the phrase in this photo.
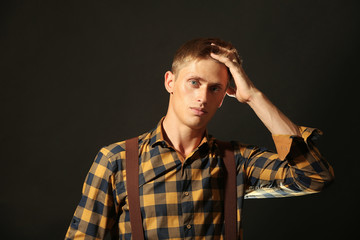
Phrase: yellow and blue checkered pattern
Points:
(185, 200)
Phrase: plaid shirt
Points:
(185, 200)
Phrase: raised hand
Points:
(244, 88)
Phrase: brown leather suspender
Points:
(230, 208)
(132, 183)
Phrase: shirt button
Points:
(186, 193)
(188, 226)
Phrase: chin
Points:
(197, 123)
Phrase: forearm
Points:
(304, 170)
(245, 91)
(271, 116)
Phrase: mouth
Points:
(198, 111)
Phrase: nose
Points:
(202, 95)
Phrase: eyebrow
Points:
(195, 77)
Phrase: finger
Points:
(221, 48)
(225, 60)
(225, 50)
(230, 56)
(230, 53)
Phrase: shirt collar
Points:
(157, 137)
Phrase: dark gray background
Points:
(79, 75)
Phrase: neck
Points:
(183, 138)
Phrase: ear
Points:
(169, 81)
(222, 100)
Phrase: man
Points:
(181, 171)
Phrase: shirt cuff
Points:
(283, 142)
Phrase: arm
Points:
(95, 214)
(267, 174)
(302, 169)
(245, 92)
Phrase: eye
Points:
(194, 82)
(215, 88)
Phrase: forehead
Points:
(207, 69)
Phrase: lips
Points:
(198, 111)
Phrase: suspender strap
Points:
(132, 184)
(230, 208)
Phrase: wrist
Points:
(254, 95)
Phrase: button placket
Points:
(186, 202)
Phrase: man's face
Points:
(198, 90)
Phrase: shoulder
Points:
(117, 150)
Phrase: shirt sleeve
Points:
(95, 214)
(296, 169)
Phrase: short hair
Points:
(196, 49)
